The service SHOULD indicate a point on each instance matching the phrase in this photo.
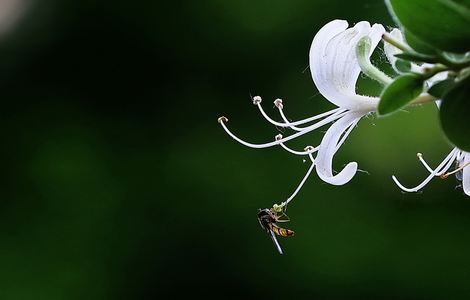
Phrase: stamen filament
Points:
(278, 103)
(312, 166)
(448, 165)
(456, 170)
(223, 120)
(257, 102)
(425, 164)
(307, 150)
(280, 106)
(443, 166)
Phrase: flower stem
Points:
(389, 39)
(437, 68)
(421, 99)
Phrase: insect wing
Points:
(276, 243)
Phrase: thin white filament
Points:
(288, 138)
(281, 112)
(300, 153)
(425, 164)
(441, 168)
(332, 113)
(459, 169)
(299, 122)
(448, 165)
(312, 166)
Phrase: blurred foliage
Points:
(119, 184)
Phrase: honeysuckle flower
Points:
(337, 55)
(335, 70)
(457, 157)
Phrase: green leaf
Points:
(454, 114)
(439, 89)
(418, 44)
(443, 24)
(417, 57)
(400, 92)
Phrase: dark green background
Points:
(118, 183)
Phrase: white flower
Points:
(460, 159)
(462, 173)
(335, 69)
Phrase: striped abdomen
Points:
(281, 231)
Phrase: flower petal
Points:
(328, 149)
(334, 65)
(466, 175)
(391, 50)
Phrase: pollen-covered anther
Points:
(462, 166)
(309, 149)
(278, 137)
(222, 120)
(278, 103)
(257, 100)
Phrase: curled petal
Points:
(334, 65)
(328, 148)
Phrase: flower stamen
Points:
(307, 150)
(442, 168)
(257, 101)
(222, 119)
(425, 164)
(310, 128)
(299, 187)
(280, 106)
(446, 175)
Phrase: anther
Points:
(419, 155)
(278, 137)
(222, 120)
(308, 148)
(256, 100)
(278, 103)
(444, 176)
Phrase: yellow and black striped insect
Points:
(268, 219)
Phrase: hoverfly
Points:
(268, 218)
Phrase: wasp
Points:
(268, 219)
